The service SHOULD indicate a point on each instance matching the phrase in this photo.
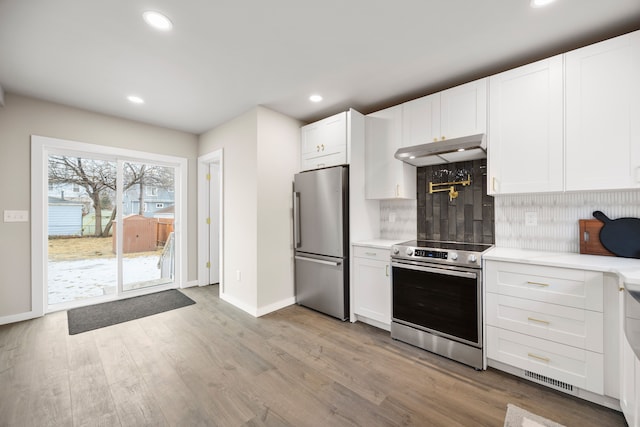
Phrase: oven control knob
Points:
(453, 256)
(473, 258)
(396, 251)
(409, 251)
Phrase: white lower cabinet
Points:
(372, 285)
(571, 365)
(548, 322)
(630, 385)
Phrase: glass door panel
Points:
(148, 213)
(82, 260)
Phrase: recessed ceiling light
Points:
(315, 98)
(157, 20)
(540, 3)
(460, 149)
(135, 99)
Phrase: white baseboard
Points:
(18, 317)
(239, 304)
(276, 306)
(190, 284)
(255, 311)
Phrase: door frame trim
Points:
(204, 162)
(40, 148)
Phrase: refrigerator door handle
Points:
(319, 261)
(296, 219)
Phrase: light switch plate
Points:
(531, 219)
(16, 216)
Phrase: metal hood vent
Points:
(452, 150)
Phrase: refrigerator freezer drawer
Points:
(320, 284)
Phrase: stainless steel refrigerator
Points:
(321, 240)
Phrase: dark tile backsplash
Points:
(468, 218)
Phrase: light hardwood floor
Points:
(211, 364)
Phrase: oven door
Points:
(445, 301)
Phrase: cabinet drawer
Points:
(581, 368)
(562, 286)
(566, 325)
(372, 253)
(324, 161)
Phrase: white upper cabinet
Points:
(385, 176)
(463, 110)
(455, 112)
(525, 145)
(421, 120)
(603, 115)
(324, 143)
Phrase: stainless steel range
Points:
(437, 298)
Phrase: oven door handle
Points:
(444, 271)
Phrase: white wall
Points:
(19, 119)
(238, 140)
(278, 160)
(260, 156)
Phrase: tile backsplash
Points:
(556, 217)
(398, 219)
(467, 218)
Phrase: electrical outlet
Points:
(531, 219)
(16, 216)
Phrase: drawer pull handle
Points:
(386, 269)
(535, 356)
(538, 284)
(370, 253)
(533, 319)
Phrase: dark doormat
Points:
(98, 316)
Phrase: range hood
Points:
(448, 151)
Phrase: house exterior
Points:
(64, 217)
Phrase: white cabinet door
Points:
(372, 289)
(525, 145)
(629, 385)
(324, 143)
(603, 115)
(463, 110)
(421, 120)
(385, 176)
(455, 112)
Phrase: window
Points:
(151, 191)
(76, 188)
(159, 205)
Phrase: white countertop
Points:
(627, 268)
(378, 243)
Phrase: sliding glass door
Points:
(80, 201)
(110, 224)
(148, 215)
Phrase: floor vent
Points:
(555, 383)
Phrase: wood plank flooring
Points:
(211, 364)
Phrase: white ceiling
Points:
(224, 57)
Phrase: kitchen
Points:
(391, 214)
(546, 312)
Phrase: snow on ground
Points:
(81, 279)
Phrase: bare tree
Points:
(94, 176)
(98, 179)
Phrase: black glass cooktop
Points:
(459, 246)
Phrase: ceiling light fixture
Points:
(540, 3)
(135, 99)
(157, 20)
(315, 98)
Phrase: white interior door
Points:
(210, 219)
